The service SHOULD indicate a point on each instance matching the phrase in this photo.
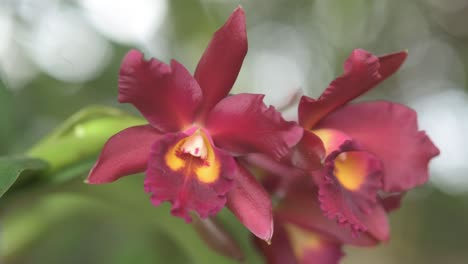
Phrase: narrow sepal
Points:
(124, 154)
(251, 204)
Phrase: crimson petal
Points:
(280, 250)
(243, 124)
(312, 247)
(123, 154)
(302, 208)
(186, 181)
(362, 72)
(220, 64)
(349, 184)
(390, 132)
(251, 204)
(167, 96)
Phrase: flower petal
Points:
(332, 139)
(167, 96)
(309, 153)
(124, 154)
(348, 186)
(251, 204)
(390, 132)
(302, 208)
(243, 124)
(362, 72)
(377, 223)
(280, 250)
(311, 247)
(188, 182)
(220, 64)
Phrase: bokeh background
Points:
(58, 56)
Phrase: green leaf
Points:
(12, 167)
(82, 136)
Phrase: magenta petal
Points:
(243, 124)
(251, 204)
(362, 71)
(280, 250)
(123, 154)
(390, 132)
(349, 185)
(168, 96)
(188, 182)
(377, 223)
(220, 64)
(302, 208)
(324, 252)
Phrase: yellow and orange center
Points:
(194, 155)
(350, 170)
(302, 240)
(350, 167)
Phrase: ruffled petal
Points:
(362, 72)
(310, 247)
(220, 64)
(125, 153)
(390, 132)
(348, 186)
(190, 182)
(302, 208)
(251, 204)
(243, 124)
(167, 96)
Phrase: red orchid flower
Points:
(304, 235)
(195, 133)
(371, 148)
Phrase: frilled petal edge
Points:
(167, 95)
(348, 187)
(301, 207)
(191, 179)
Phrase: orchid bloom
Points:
(350, 169)
(372, 149)
(304, 235)
(189, 150)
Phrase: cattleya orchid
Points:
(190, 149)
(371, 153)
(371, 148)
(335, 175)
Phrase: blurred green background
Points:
(58, 56)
